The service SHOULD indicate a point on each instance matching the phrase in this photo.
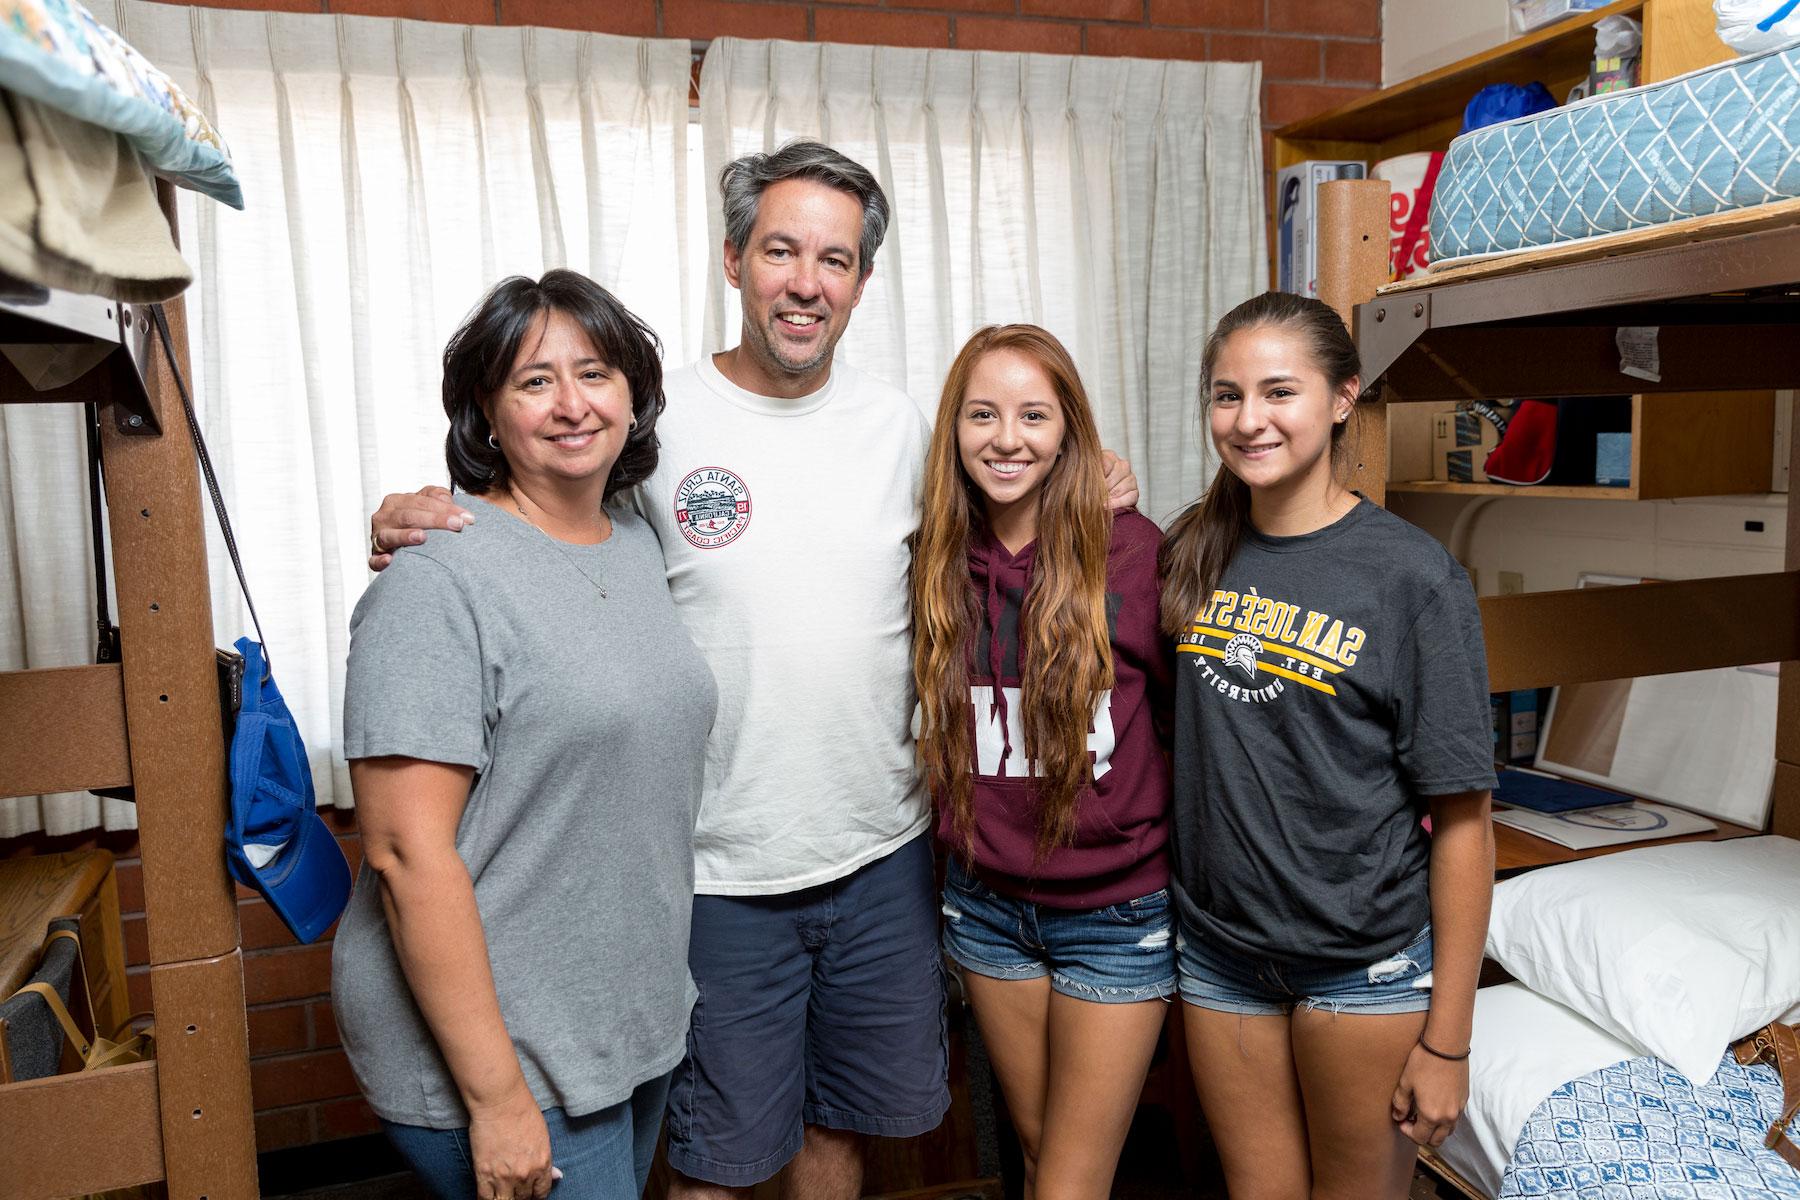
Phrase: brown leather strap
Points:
(61, 1012)
(1778, 1046)
(101, 1051)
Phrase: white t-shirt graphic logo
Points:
(712, 507)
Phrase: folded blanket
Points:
(77, 210)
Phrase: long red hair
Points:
(1065, 658)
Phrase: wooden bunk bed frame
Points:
(153, 722)
(1724, 292)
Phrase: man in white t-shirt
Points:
(787, 488)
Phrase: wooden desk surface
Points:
(32, 891)
(1515, 850)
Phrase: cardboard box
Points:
(1409, 437)
(1296, 220)
(1460, 443)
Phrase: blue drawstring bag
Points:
(1499, 102)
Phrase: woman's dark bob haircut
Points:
(480, 356)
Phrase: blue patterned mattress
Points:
(1638, 1130)
(1722, 138)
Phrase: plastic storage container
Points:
(1533, 14)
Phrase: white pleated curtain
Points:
(1117, 202)
(393, 171)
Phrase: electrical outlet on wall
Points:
(1512, 583)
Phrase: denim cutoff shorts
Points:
(1223, 980)
(1116, 954)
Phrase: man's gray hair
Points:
(743, 181)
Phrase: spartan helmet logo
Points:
(1241, 651)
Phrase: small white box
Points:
(1296, 220)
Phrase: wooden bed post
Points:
(1353, 262)
(178, 772)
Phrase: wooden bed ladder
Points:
(151, 722)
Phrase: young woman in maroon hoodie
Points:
(1042, 677)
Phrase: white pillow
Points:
(1677, 950)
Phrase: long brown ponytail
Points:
(1201, 541)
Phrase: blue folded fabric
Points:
(55, 52)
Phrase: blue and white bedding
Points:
(1722, 138)
(1640, 1130)
(1628, 1127)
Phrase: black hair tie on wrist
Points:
(1432, 1050)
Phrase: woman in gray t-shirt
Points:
(526, 719)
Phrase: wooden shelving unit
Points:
(1426, 112)
(153, 722)
(1686, 444)
(1682, 445)
(1729, 288)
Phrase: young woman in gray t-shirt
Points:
(1331, 692)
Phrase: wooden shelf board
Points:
(66, 730)
(34, 890)
(1434, 487)
(82, 1132)
(1583, 635)
(1556, 53)
(1516, 850)
(1776, 214)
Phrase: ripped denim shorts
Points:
(1116, 954)
(1226, 981)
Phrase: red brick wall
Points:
(1315, 54)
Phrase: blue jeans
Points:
(1215, 977)
(603, 1155)
(1116, 954)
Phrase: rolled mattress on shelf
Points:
(1723, 138)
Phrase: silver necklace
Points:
(557, 542)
